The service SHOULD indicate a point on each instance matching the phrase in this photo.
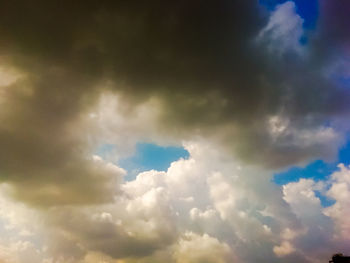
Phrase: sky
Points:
(174, 131)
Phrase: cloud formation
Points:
(250, 91)
(194, 212)
(200, 60)
(284, 30)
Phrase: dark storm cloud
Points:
(154, 46)
(201, 58)
(331, 41)
(41, 151)
(334, 24)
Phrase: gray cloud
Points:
(200, 59)
(332, 34)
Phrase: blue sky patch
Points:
(317, 170)
(150, 156)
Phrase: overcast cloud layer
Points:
(247, 91)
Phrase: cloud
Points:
(332, 30)
(195, 248)
(206, 75)
(340, 191)
(206, 207)
(284, 30)
(75, 76)
(43, 154)
(178, 215)
(284, 249)
(324, 229)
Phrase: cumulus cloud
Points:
(323, 229)
(220, 74)
(179, 215)
(208, 208)
(340, 191)
(195, 248)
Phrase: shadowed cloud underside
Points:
(250, 89)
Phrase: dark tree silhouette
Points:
(340, 258)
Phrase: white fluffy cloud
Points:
(324, 230)
(340, 211)
(208, 208)
(193, 248)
